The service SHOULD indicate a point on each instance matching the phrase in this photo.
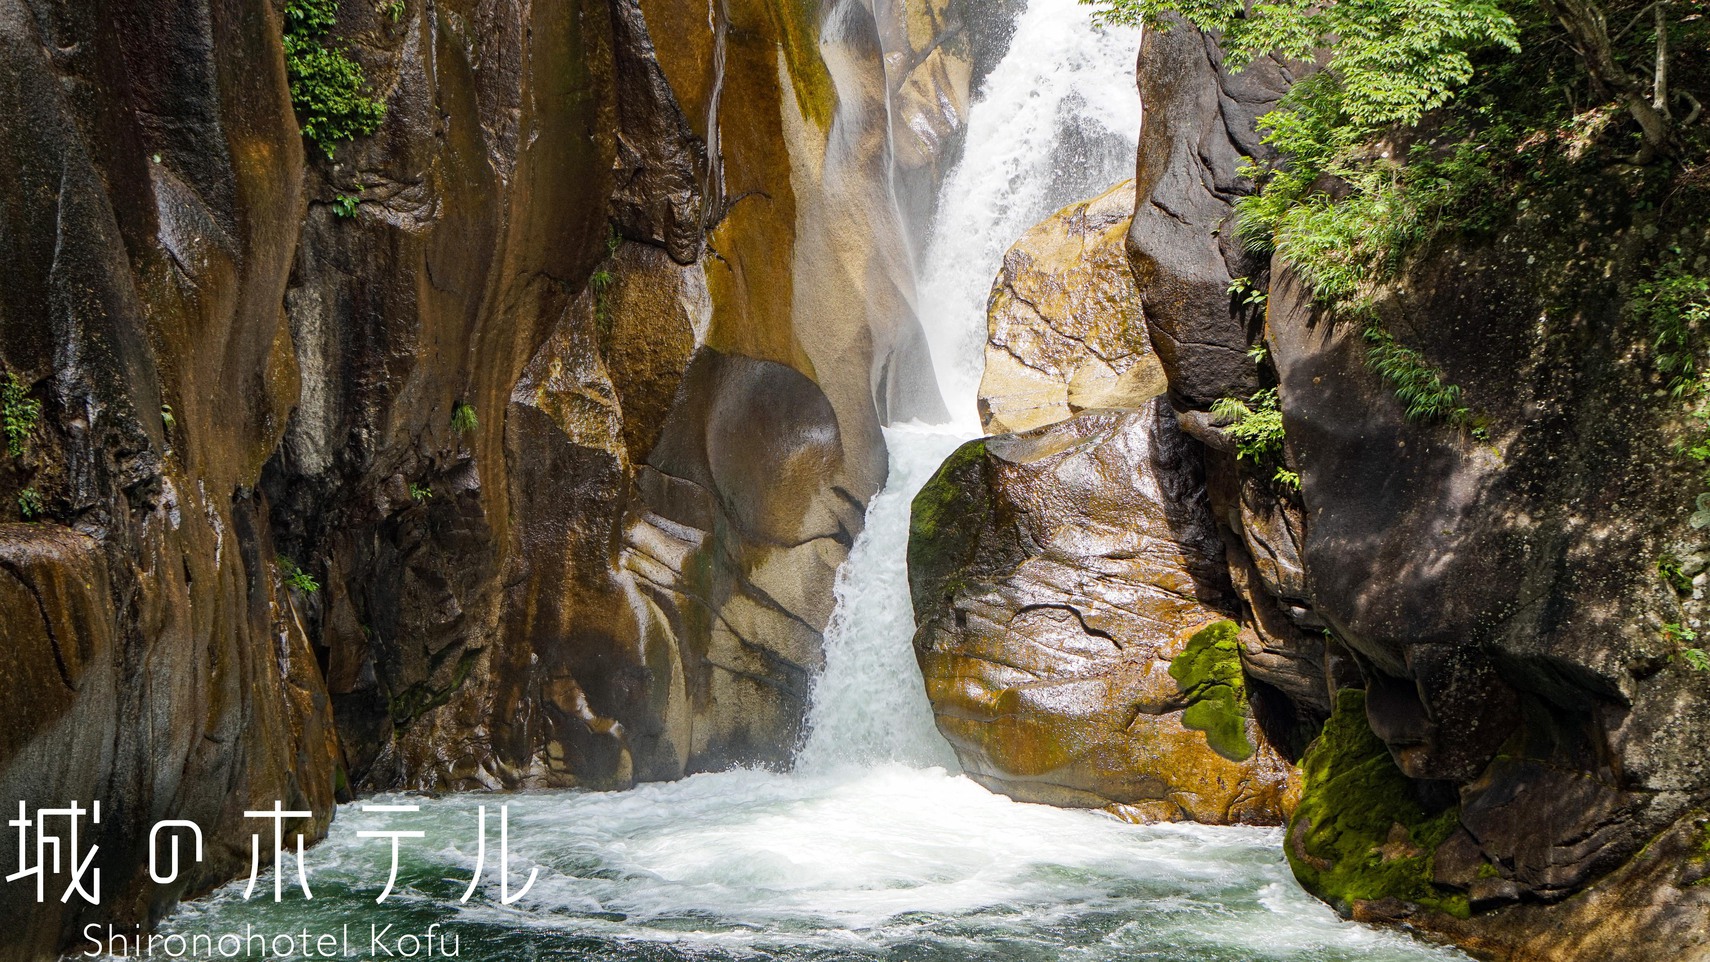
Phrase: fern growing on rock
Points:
(18, 414)
(1256, 427)
(328, 88)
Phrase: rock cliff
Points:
(514, 443)
(1517, 762)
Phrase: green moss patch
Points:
(945, 515)
(939, 500)
(1359, 833)
(798, 31)
(1209, 673)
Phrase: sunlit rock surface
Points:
(516, 444)
(1072, 602)
(1064, 331)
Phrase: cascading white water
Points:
(873, 848)
(869, 704)
(1055, 123)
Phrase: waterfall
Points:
(869, 704)
(1055, 122)
(873, 847)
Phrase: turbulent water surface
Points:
(874, 847)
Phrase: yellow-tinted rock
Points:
(1065, 580)
(1065, 332)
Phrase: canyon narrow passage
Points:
(874, 846)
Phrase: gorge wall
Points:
(1527, 754)
(1474, 634)
(514, 445)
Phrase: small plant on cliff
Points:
(344, 205)
(1675, 305)
(463, 418)
(1247, 294)
(1418, 385)
(420, 492)
(1672, 574)
(30, 505)
(1684, 636)
(18, 414)
(296, 577)
(1256, 427)
(601, 282)
(395, 10)
(327, 87)
(1675, 631)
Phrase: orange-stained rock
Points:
(1064, 329)
(1064, 580)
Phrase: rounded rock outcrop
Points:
(1064, 328)
(1074, 632)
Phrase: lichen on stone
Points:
(1209, 673)
(1360, 833)
(798, 29)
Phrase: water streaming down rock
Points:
(870, 849)
(1054, 118)
(869, 704)
(1055, 122)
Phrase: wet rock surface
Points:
(514, 445)
(1516, 745)
(1064, 331)
(1072, 602)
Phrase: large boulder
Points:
(1074, 635)
(1064, 331)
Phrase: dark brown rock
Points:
(573, 501)
(1197, 134)
(158, 663)
(1497, 589)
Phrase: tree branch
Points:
(1588, 30)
